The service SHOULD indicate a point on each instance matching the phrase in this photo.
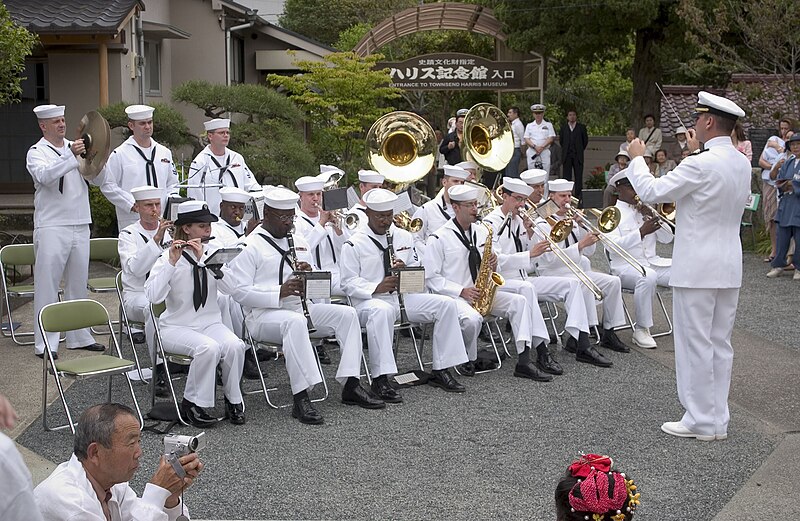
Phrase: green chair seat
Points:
(177, 358)
(102, 284)
(93, 365)
(19, 290)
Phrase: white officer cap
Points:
(279, 198)
(461, 193)
(370, 176)
(680, 130)
(144, 193)
(534, 176)
(380, 199)
(217, 123)
(560, 185)
(232, 194)
(624, 153)
(49, 111)
(455, 171)
(467, 165)
(622, 174)
(139, 112)
(309, 183)
(461, 112)
(712, 104)
(537, 107)
(517, 186)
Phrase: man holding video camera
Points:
(93, 484)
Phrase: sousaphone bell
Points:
(96, 135)
(402, 147)
(488, 140)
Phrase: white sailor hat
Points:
(380, 199)
(460, 193)
(680, 130)
(309, 183)
(537, 107)
(370, 176)
(534, 176)
(517, 186)
(467, 165)
(461, 112)
(216, 124)
(232, 194)
(622, 174)
(144, 193)
(330, 169)
(194, 212)
(712, 104)
(623, 153)
(48, 111)
(280, 198)
(139, 112)
(560, 185)
(455, 171)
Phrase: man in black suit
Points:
(573, 139)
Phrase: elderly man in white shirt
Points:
(139, 161)
(637, 233)
(93, 484)
(539, 135)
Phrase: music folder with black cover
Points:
(220, 256)
(171, 206)
(334, 199)
(317, 284)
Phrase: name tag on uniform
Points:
(317, 284)
(412, 280)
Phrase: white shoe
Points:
(643, 338)
(796, 275)
(679, 430)
(775, 272)
(720, 437)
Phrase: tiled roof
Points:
(70, 17)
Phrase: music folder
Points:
(317, 284)
(171, 206)
(254, 209)
(219, 256)
(412, 279)
(334, 199)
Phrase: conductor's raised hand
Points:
(636, 148)
(691, 140)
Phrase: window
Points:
(152, 68)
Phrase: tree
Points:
(16, 43)
(342, 96)
(264, 128)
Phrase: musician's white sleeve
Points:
(242, 286)
(110, 186)
(434, 269)
(48, 169)
(135, 260)
(157, 285)
(684, 179)
(352, 283)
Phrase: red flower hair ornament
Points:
(599, 490)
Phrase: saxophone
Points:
(487, 281)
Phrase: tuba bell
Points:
(96, 135)
(402, 147)
(487, 137)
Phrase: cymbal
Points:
(96, 135)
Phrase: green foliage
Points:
(342, 96)
(16, 43)
(170, 128)
(265, 127)
(104, 216)
(350, 37)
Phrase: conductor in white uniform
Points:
(710, 189)
(61, 220)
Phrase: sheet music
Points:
(412, 280)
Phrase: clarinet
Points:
(403, 316)
(293, 263)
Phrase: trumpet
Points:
(664, 212)
(345, 220)
(404, 221)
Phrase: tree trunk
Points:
(647, 70)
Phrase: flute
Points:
(202, 241)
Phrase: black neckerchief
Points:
(223, 169)
(474, 255)
(387, 261)
(60, 179)
(200, 277)
(317, 249)
(149, 165)
(285, 259)
(443, 209)
(238, 235)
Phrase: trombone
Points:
(664, 212)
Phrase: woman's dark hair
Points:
(739, 130)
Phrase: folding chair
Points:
(747, 218)
(156, 310)
(69, 316)
(11, 256)
(103, 250)
(125, 325)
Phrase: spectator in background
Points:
(651, 134)
(630, 135)
(648, 159)
(573, 138)
(440, 161)
(539, 135)
(741, 142)
(769, 157)
(16, 492)
(787, 217)
(662, 164)
(518, 132)
(451, 145)
(610, 192)
(591, 490)
(675, 150)
(685, 153)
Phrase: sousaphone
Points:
(96, 135)
(402, 147)
(488, 140)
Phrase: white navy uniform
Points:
(228, 169)
(61, 220)
(447, 272)
(198, 332)
(434, 214)
(227, 236)
(710, 189)
(644, 251)
(539, 133)
(511, 239)
(129, 166)
(137, 254)
(324, 244)
(360, 212)
(363, 268)
(258, 273)
(549, 264)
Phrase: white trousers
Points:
(545, 157)
(137, 308)
(613, 313)
(704, 356)
(61, 251)
(569, 291)
(525, 288)
(231, 312)
(210, 346)
(506, 305)
(644, 289)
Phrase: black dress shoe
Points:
(591, 356)
(545, 361)
(138, 337)
(305, 412)
(571, 346)
(162, 390)
(610, 340)
(530, 371)
(234, 412)
(196, 415)
(93, 347)
(362, 397)
(467, 369)
(444, 380)
(251, 369)
(55, 355)
(322, 353)
(382, 388)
